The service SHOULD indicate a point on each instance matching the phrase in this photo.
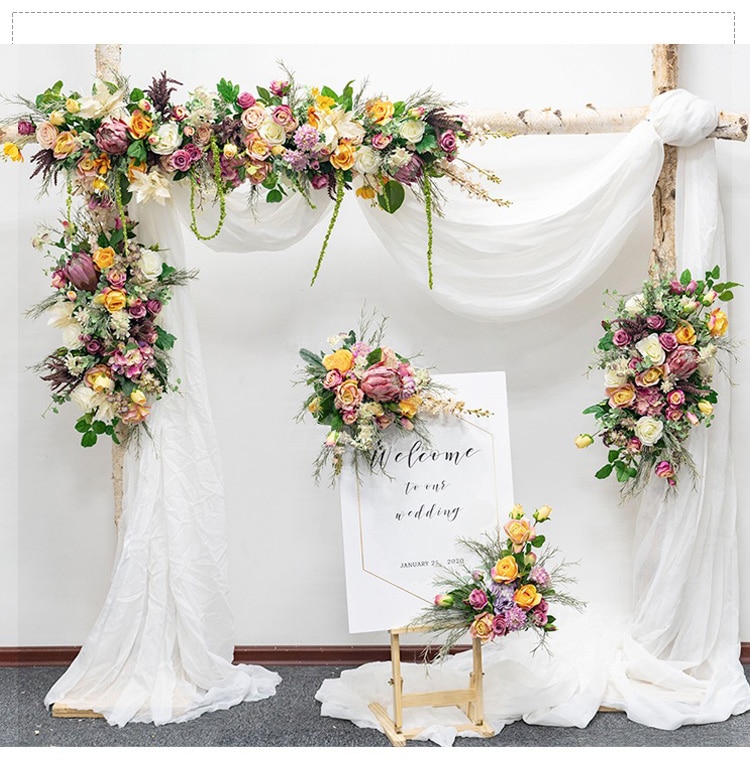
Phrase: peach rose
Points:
(505, 570)
(519, 532)
(685, 334)
(527, 597)
(343, 360)
(103, 257)
(482, 627)
(140, 124)
(343, 156)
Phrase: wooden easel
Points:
(469, 700)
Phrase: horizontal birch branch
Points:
(731, 126)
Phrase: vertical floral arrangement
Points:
(659, 355)
(513, 584)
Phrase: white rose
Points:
(271, 132)
(648, 430)
(366, 161)
(167, 138)
(412, 131)
(614, 377)
(634, 305)
(650, 348)
(150, 264)
(84, 397)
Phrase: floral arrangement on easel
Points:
(118, 143)
(364, 391)
(509, 590)
(659, 356)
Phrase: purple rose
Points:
(112, 136)
(683, 361)
(668, 341)
(319, 181)
(477, 599)
(153, 306)
(448, 142)
(81, 272)
(411, 171)
(621, 338)
(181, 160)
(26, 128)
(137, 309)
(245, 100)
(381, 384)
(656, 321)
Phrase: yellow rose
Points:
(505, 570)
(482, 627)
(99, 379)
(65, 144)
(12, 152)
(621, 396)
(343, 156)
(103, 257)
(140, 124)
(410, 406)
(115, 300)
(718, 323)
(343, 360)
(138, 397)
(57, 118)
(519, 532)
(706, 407)
(527, 597)
(685, 334)
(380, 111)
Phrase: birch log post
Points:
(108, 67)
(663, 260)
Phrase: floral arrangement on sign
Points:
(363, 390)
(285, 138)
(510, 590)
(659, 356)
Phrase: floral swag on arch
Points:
(119, 143)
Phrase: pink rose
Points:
(381, 384)
(112, 136)
(683, 361)
(477, 599)
(245, 100)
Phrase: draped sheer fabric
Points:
(161, 648)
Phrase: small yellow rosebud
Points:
(516, 512)
(706, 407)
(583, 440)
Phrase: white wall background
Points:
(255, 311)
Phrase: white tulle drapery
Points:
(676, 662)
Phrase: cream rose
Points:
(651, 349)
(150, 264)
(366, 161)
(272, 133)
(166, 139)
(648, 430)
(412, 131)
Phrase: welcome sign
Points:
(400, 526)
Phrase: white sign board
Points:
(400, 527)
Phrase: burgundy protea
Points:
(82, 272)
(381, 384)
(112, 136)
